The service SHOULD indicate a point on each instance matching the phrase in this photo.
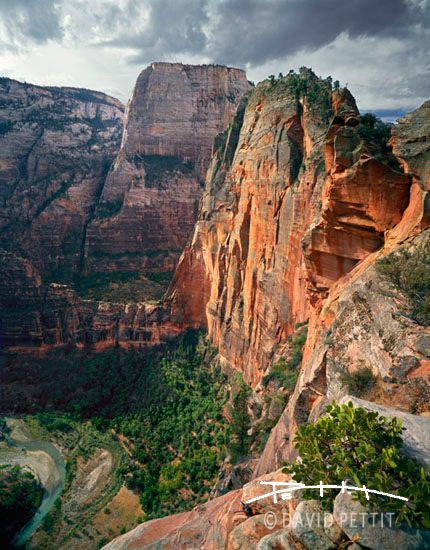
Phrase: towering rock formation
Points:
(150, 200)
(291, 204)
(56, 146)
(300, 201)
(61, 215)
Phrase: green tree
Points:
(408, 271)
(240, 424)
(354, 444)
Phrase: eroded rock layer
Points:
(150, 200)
(292, 203)
(274, 245)
(56, 146)
(66, 212)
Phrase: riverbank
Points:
(41, 458)
(85, 502)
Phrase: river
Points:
(51, 472)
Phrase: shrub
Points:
(355, 444)
(358, 381)
(409, 272)
(287, 372)
(373, 129)
(20, 496)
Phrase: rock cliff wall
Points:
(67, 211)
(56, 146)
(150, 200)
(297, 209)
(292, 203)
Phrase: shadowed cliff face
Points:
(298, 203)
(150, 200)
(56, 146)
(249, 273)
(65, 213)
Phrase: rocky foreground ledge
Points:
(225, 523)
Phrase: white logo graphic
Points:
(290, 487)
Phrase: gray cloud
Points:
(26, 21)
(174, 27)
(270, 30)
(253, 32)
(379, 46)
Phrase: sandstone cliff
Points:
(150, 200)
(65, 213)
(297, 202)
(298, 206)
(56, 147)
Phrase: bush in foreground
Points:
(354, 444)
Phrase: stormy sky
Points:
(379, 48)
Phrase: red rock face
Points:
(61, 216)
(362, 198)
(35, 315)
(217, 524)
(297, 206)
(150, 200)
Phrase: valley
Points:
(181, 307)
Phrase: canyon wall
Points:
(292, 203)
(150, 200)
(69, 212)
(56, 146)
(300, 202)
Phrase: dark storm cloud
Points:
(175, 27)
(25, 21)
(226, 31)
(268, 30)
(255, 31)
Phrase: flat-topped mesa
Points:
(150, 199)
(176, 110)
(294, 198)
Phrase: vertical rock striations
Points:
(295, 198)
(149, 203)
(64, 211)
(56, 146)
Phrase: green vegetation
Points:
(408, 271)
(123, 286)
(107, 210)
(378, 133)
(52, 517)
(306, 85)
(285, 372)
(157, 167)
(373, 129)
(240, 423)
(20, 497)
(166, 405)
(359, 381)
(354, 444)
(177, 443)
(274, 406)
(4, 429)
(83, 443)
